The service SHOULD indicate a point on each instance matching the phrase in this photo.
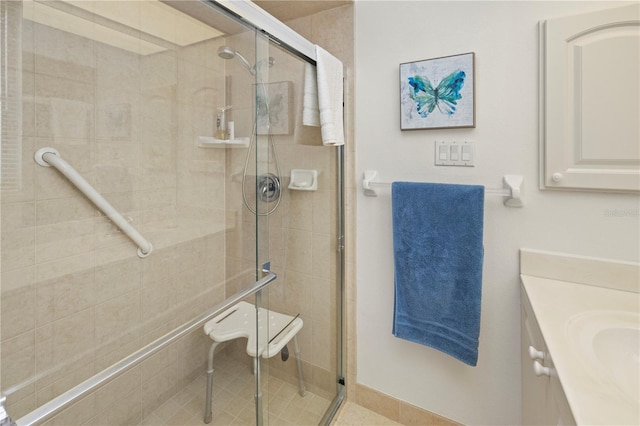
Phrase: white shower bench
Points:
(240, 321)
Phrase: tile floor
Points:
(233, 401)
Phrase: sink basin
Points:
(608, 344)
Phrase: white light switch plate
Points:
(455, 153)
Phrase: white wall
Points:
(503, 36)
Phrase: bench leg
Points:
(301, 389)
(207, 406)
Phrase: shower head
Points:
(226, 52)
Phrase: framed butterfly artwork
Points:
(274, 115)
(438, 93)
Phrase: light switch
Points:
(466, 153)
(442, 152)
(454, 155)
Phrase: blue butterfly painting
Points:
(444, 96)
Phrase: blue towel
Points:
(437, 244)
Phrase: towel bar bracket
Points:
(369, 178)
(514, 184)
(511, 191)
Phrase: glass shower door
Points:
(301, 369)
(290, 212)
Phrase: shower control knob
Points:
(556, 177)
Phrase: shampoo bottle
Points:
(221, 132)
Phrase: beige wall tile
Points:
(107, 355)
(126, 411)
(57, 382)
(61, 54)
(117, 115)
(117, 278)
(323, 347)
(18, 302)
(325, 201)
(325, 255)
(157, 390)
(63, 209)
(300, 211)
(26, 192)
(18, 235)
(66, 295)
(64, 239)
(158, 362)
(118, 319)
(108, 395)
(64, 108)
(160, 73)
(117, 68)
(73, 337)
(19, 352)
(298, 293)
(324, 299)
(299, 251)
(28, 46)
(76, 414)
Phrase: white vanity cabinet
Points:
(583, 315)
(543, 400)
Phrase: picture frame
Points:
(438, 93)
(274, 116)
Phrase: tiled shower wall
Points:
(73, 289)
(75, 297)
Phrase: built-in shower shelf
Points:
(211, 142)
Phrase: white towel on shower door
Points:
(330, 97)
(310, 111)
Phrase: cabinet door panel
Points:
(590, 101)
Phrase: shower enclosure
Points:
(187, 119)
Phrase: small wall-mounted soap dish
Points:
(304, 180)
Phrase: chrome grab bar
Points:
(48, 157)
(49, 409)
